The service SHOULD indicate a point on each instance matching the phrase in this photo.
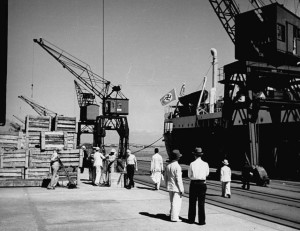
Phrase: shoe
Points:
(51, 188)
(202, 223)
(190, 222)
(179, 220)
(229, 196)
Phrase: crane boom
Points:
(18, 118)
(42, 111)
(82, 71)
(226, 11)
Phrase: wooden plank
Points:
(9, 137)
(36, 173)
(26, 158)
(1, 158)
(65, 140)
(43, 142)
(8, 133)
(11, 173)
(80, 157)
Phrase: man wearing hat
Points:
(85, 159)
(174, 184)
(98, 163)
(110, 167)
(197, 172)
(156, 168)
(225, 176)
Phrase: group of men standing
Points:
(197, 172)
(100, 165)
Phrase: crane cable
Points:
(148, 145)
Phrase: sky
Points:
(150, 47)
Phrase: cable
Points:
(148, 145)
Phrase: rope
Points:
(148, 145)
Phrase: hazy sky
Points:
(150, 47)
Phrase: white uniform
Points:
(156, 169)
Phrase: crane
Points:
(267, 76)
(114, 103)
(18, 118)
(42, 111)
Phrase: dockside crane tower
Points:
(114, 103)
(267, 75)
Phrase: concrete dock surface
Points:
(110, 208)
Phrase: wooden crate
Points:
(58, 139)
(11, 173)
(53, 140)
(14, 159)
(66, 124)
(11, 140)
(37, 123)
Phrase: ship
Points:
(257, 119)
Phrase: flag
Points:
(169, 97)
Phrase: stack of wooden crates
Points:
(25, 157)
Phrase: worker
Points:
(225, 177)
(110, 167)
(197, 172)
(55, 165)
(174, 185)
(98, 163)
(103, 178)
(247, 174)
(157, 168)
(130, 166)
(84, 159)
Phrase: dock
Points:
(110, 208)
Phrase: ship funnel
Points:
(212, 97)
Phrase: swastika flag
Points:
(169, 97)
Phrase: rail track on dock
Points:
(278, 203)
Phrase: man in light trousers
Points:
(156, 168)
(174, 184)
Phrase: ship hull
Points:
(279, 146)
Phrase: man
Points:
(85, 159)
(130, 165)
(156, 168)
(110, 167)
(54, 163)
(197, 172)
(247, 173)
(174, 184)
(225, 177)
(98, 158)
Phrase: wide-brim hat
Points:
(225, 162)
(96, 148)
(175, 155)
(198, 151)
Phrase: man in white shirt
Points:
(197, 172)
(98, 157)
(130, 165)
(156, 168)
(225, 177)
